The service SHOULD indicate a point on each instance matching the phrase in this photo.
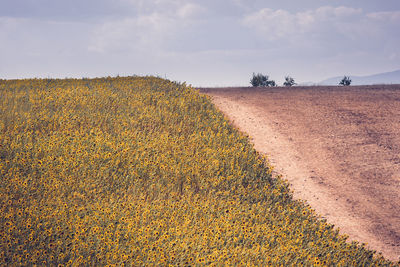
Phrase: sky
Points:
(202, 43)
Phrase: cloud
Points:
(274, 24)
(131, 33)
(328, 12)
(281, 24)
(155, 26)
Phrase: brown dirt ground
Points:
(339, 148)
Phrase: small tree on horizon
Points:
(271, 83)
(289, 81)
(261, 80)
(346, 81)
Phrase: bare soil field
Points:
(339, 148)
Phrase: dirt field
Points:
(339, 148)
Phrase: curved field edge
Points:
(144, 171)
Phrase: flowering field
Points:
(144, 171)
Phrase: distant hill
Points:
(381, 78)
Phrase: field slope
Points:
(143, 171)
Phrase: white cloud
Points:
(131, 33)
(341, 12)
(274, 24)
(154, 25)
(134, 33)
(281, 24)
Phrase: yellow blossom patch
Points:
(144, 171)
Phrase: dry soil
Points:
(339, 148)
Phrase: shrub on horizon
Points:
(261, 80)
(346, 81)
(289, 81)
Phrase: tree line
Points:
(261, 80)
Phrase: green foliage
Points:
(289, 81)
(346, 81)
(261, 80)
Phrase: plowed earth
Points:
(339, 148)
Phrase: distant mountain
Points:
(381, 78)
